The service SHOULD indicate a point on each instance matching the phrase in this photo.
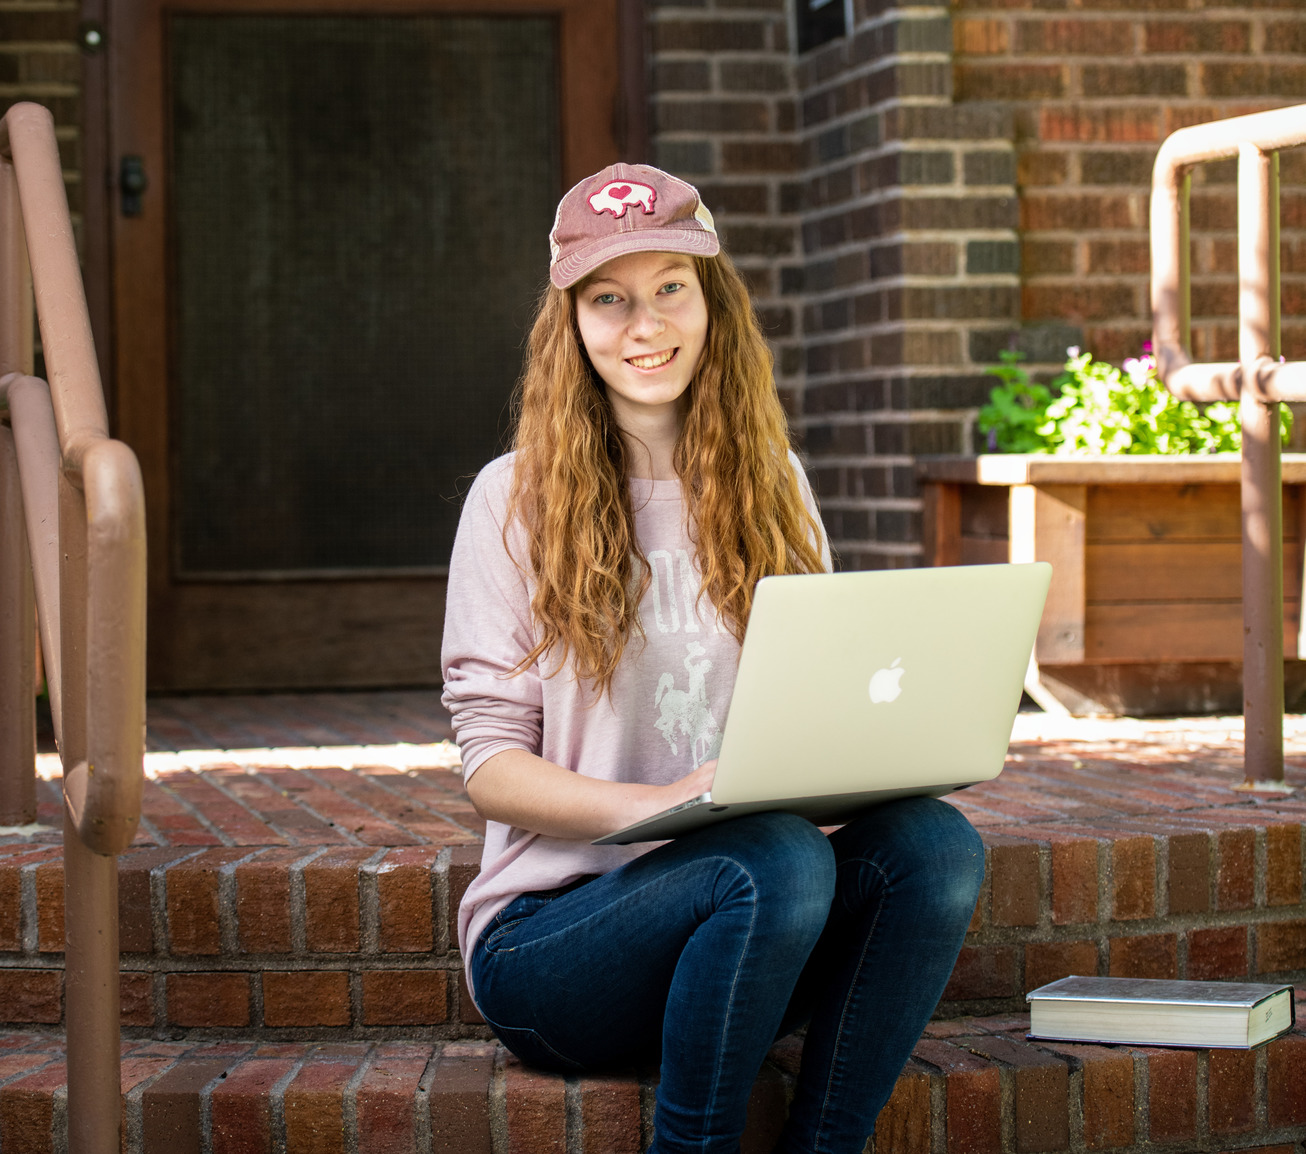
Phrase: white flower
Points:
(1137, 369)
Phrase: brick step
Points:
(973, 1086)
(359, 941)
(309, 892)
(287, 939)
(331, 939)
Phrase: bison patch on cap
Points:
(617, 195)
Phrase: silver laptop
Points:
(854, 688)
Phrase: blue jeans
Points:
(709, 948)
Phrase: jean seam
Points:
(540, 1038)
(886, 890)
(734, 985)
(489, 942)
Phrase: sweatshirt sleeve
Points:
(809, 499)
(488, 630)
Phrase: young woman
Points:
(599, 588)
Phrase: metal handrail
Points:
(1258, 381)
(82, 513)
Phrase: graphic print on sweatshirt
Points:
(684, 716)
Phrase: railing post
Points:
(36, 441)
(91, 1006)
(1262, 488)
(90, 880)
(17, 650)
(16, 316)
(1185, 260)
(17, 607)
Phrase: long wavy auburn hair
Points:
(571, 490)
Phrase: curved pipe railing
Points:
(1257, 380)
(1259, 136)
(103, 793)
(99, 482)
(83, 506)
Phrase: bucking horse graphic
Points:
(685, 712)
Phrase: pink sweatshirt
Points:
(663, 718)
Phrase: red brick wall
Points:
(721, 82)
(909, 272)
(978, 178)
(1094, 86)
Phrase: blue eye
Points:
(605, 299)
(674, 287)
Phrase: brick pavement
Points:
(289, 980)
(269, 770)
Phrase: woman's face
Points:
(643, 321)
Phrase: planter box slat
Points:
(1174, 571)
(1192, 512)
(1175, 687)
(982, 551)
(985, 511)
(1174, 631)
(1147, 569)
(1047, 523)
(941, 524)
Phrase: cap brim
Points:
(687, 241)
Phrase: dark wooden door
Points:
(319, 300)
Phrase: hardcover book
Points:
(1155, 1012)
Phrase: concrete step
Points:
(973, 1086)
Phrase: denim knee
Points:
(927, 845)
(788, 867)
(958, 860)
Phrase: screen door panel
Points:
(360, 209)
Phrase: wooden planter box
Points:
(1144, 615)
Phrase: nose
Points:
(646, 320)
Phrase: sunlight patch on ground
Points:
(441, 755)
(28, 830)
(1029, 728)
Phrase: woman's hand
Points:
(522, 790)
(690, 786)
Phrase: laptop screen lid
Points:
(883, 680)
(854, 688)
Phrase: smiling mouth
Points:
(653, 360)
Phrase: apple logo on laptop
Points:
(884, 683)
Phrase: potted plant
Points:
(1134, 497)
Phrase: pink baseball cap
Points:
(623, 209)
